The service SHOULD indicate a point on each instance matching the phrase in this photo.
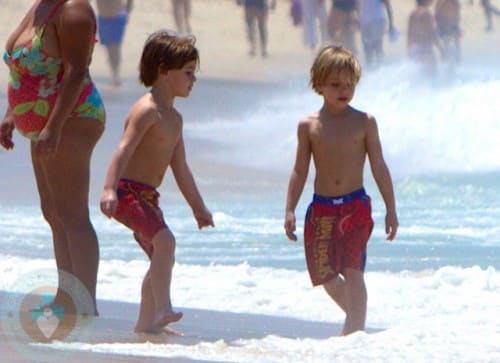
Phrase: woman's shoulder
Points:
(76, 12)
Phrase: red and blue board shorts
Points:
(336, 233)
(138, 210)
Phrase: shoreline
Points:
(114, 327)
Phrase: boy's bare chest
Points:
(337, 136)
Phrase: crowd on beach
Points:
(434, 29)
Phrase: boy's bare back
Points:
(158, 133)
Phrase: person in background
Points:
(373, 24)
(112, 20)
(343, 23)
(338, 222)
(489, 11)
(182, 12)
(314, 19)
(151, 142)
(447, 16)
(256, 12)
(422, 38)
(53, 102)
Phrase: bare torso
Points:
(448, 12)
(339, 151)
(421, 28)
(160, 140)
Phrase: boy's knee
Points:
(164, 241)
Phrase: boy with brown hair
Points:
(152, 141)
(338, 221)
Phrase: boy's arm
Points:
(382, 177)
(298, 178)
(138, 123)
(185, 181)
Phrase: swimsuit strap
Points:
(53, 12)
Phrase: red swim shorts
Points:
(138, 210)
(336, 234)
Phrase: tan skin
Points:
(447, 15)
(422, 33)
(343, 26)
(62, 174)
(339, 138)
(152, 141)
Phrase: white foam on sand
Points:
(248, 314)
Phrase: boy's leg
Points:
(147, 307)
(355, 301)
(337, 290)
(162, 263)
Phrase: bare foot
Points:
(166, 317)
(170, 331)
(155, 330)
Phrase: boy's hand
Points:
(290, 226)
(204, 218)
(109, 202)
(391, 226)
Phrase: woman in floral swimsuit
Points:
(53, 102)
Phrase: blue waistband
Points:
(342, 199)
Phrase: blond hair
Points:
(333, 60)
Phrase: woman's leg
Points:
(63, 182)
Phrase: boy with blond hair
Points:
(338, 221)
(152, 141)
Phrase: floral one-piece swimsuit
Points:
(34, 81)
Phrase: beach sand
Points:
(219, 29)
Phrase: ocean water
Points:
(434, 293)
